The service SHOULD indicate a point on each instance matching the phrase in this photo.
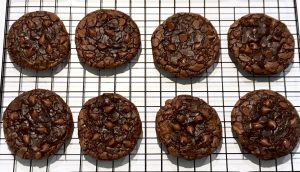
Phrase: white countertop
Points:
(148, 88)
(2, 23)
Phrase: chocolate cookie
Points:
(38, 41)
(106, 39)
(188, 127)
(266, 124)
(108, 127)
(260, 44)
(37, 123)
(186, 44)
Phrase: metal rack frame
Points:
(148, 88)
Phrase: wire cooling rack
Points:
(144, 85)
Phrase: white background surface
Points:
(2, 23)
(223, 82)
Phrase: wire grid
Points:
(148, 88)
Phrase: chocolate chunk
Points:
(188, 127)
(185, 45)
(107, 39)
(115, 130)
(260, 44)
(266, 132)
(40, 135)
(32, 44)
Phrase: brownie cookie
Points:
(38, 41)
(106, 39)
(37, 123)
(260, 44)
(266, 124)
(186, 44)
(108, 127)
(188, 127)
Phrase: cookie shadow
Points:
(266, 163)
(193, 163)
(116, 163)
(264, 78)
(43, 73)
(46, 161)
(113, 71)
(193, 79)
(189, 80)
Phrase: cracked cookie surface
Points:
(38, 41)
(260, 44)
(107, 39)
(266, 124)
(109, 127)
(37, 123)
(188, 127)
(185, 45)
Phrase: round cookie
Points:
(188, 127)
(107, 39)
(36, 124)
(38, 41)
(186, 44)
(266, 124)
(109, 127)
(260, 44)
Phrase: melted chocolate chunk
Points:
(186, 44)
(38, 41)
(37, 123)
(188, 127)
(106, 39)
(108, 127)
(260, 44)
(266, 123)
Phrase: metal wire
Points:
(144, 85)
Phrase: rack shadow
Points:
(44, 73)
(265, 78)
(189, 80)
